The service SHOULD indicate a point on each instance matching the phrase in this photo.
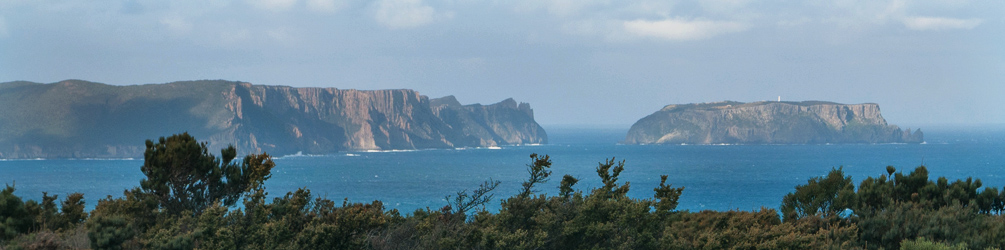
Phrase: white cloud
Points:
(328, 6)
(681, 30)
(939, 23)
(397, 14)
(873, 15)
(274, 5)
(176, 24)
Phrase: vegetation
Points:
(183, 177)
(194, 200)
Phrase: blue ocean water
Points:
(715, 177)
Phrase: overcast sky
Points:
(575, 61)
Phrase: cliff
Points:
(80, 119)
(809, 122)
(502, 123)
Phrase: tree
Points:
(109, 232)
(538, 172)
(183, 176)
(14, 217)
(72, 211)
(464, 202)
(666, 196)
(824, 196)
(609, 173)
(565, 188)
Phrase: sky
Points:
(577, 62)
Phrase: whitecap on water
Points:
(298, 154)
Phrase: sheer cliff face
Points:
(502, 123)
(768, 122)
(76, 119)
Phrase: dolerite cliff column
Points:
(768, 123)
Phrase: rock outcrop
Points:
(79, 119)
(809, 122)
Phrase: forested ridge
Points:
(191, 199)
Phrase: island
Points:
(768, 122)
(82, 119)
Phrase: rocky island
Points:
(81, 119)
(808, 122)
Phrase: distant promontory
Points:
(81, 119)
(808, 122)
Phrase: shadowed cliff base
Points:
(808, 122)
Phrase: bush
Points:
(183, 176)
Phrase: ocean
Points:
(715, 177)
